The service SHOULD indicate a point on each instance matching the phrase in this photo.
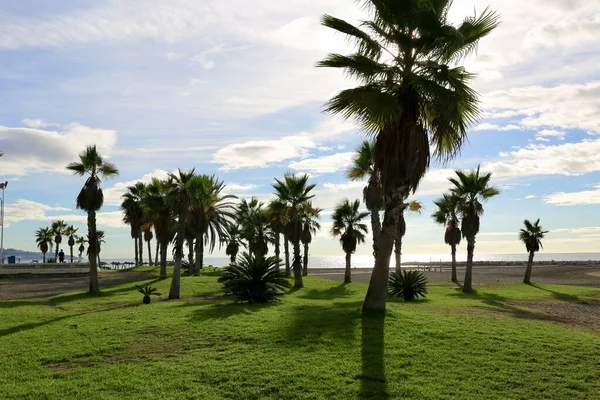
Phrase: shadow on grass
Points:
(558, 295)
(224, 310)
(373, 382)
(336, 292)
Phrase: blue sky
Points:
(232, 90)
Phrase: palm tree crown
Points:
(532, 235)
(43, 239)
(446, 214)
(347, 225)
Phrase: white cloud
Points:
(531, 196)
(36, 123)
(585, 197)
(112, 195)
(546, 133)
(170, 56)
(326, 164)
(342, 187)
(262, 153)
(237, 187)
(28, 150)
(494, 127)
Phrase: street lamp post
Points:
(3, 186)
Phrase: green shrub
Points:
(254, 279)
(409, 285)
(147, 292)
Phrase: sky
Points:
(232, 90)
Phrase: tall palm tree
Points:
(58, 229)
(347, 224)
(157, 208)
(310, 226)
(412, 206)
(133, 214)
(234, 242)
(531, 236)
(294, 191)
(413, 96)
(471, 189)
(91, 199)
(363, 165)
(211, 214)
(70, 231)
(81, 242)
(276, 215)
(446, 214)
(148, 236)
(43, 239)
(181, 188)
(254, 223)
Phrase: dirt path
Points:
(42, 287)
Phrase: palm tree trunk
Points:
(297, 266)
(71, 251)
(163, 260)
(141, 247)
(277, 249)
(192, 266)
(137, 253)
(305, 261)
(348, 273)
(43, 258)
(454, 277)
(286, 249)
(156, 251)
(376, 297)
(376, 229)
(527, 279)
(56, 253)
(149, 254)
(92, 247)
(199, 255)
(468, 284)
(174, 293)
(398, 252)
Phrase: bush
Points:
(409, 285)
(254, 279)
(147, 292)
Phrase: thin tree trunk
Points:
(199, 256)
(348, 273)
(43, 258)
(376, 229)
(163, 260)
(56, 253)
(192, 268)
(376, 297)
(141, 247)
(468, 284)
(71, 251)
(454, 276)
(398, 252)
(92, 248)
(528, 270)
(297, 266)
(149, 253)
(156, 251)
(174, 293)
(137, 252)
(277, 249)
(305, 261)
(286, 249)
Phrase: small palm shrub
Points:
(254, 279)
(147, 292)
(410, 285)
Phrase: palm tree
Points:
(471, 189)
(253, 220)
(363, 165)
(531, 236)
(446, 214)
(211, 214)
(294, 192)
(276, 215)
(347, 225)
(43, 239)
(81, 242)
(91, 199)
(58, 229)
(413, 206)
(181, 188)
(413, 96)
(234, 242)
(157, 208)
(148, 236)
(100, 235)
(134, 216)
(310, 226)
(70, 231)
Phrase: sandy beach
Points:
(553, 274)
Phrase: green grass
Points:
(314, 344)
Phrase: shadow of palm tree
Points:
(558, 295)
(373, 381)
(224, 310)
(340, 291)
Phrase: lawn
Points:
(314, 344)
